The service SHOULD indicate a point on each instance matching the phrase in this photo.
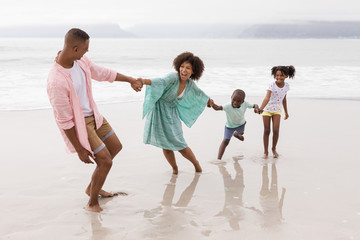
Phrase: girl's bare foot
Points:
(238, 136)
(276, 155)
(95, 208)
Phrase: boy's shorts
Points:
(229, 131)
(269, 114)
(97, 137)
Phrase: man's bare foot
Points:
(103, 193)
(276, 155)
(95, 208)
(238, 136)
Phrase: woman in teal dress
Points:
(170, 100)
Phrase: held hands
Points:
(137, 84)
(257, 109)
(84, 156)
(210, 103)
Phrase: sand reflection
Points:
(234, 187)
(172, 219)
(271, 205)
(97, 228)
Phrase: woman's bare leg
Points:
(170, 157)
(188, 154)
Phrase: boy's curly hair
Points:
(196, 63)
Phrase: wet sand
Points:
(309, 192)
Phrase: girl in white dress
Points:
(271, 106)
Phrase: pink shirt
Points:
(66, 103)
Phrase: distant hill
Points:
(286, 30)
(188, 30)
(95, 30)
(304, 30)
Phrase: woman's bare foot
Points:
(266, 155)
(276, 155)
(175, 171)
(95, 208)
(197, 167)
(238, 136)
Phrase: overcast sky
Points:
(131, 12)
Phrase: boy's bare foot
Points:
(238, 136)
(276, 155)
(95, 208)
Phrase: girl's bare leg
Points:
(170, 157)
(266, 121)
(188, 154)
(276, 128)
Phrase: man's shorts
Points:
(269, 114)
(97, 137)
(229, 131)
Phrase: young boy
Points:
(235, 115)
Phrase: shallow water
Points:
(325, 67)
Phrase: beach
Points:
(316, 179)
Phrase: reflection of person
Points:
(169, 100)
(98, 231)
(234, 188)
(271, 106)
(84, 129)
(269, 198)
(169, 218)
(235, 118)
(186, 195)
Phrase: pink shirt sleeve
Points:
(59, 95)
(100, 73)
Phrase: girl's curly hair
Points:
(287, 70)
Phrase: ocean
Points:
(325, 68)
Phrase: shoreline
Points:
(213, 96)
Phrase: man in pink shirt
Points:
(84, 129)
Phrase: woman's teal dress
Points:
(163, 111)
